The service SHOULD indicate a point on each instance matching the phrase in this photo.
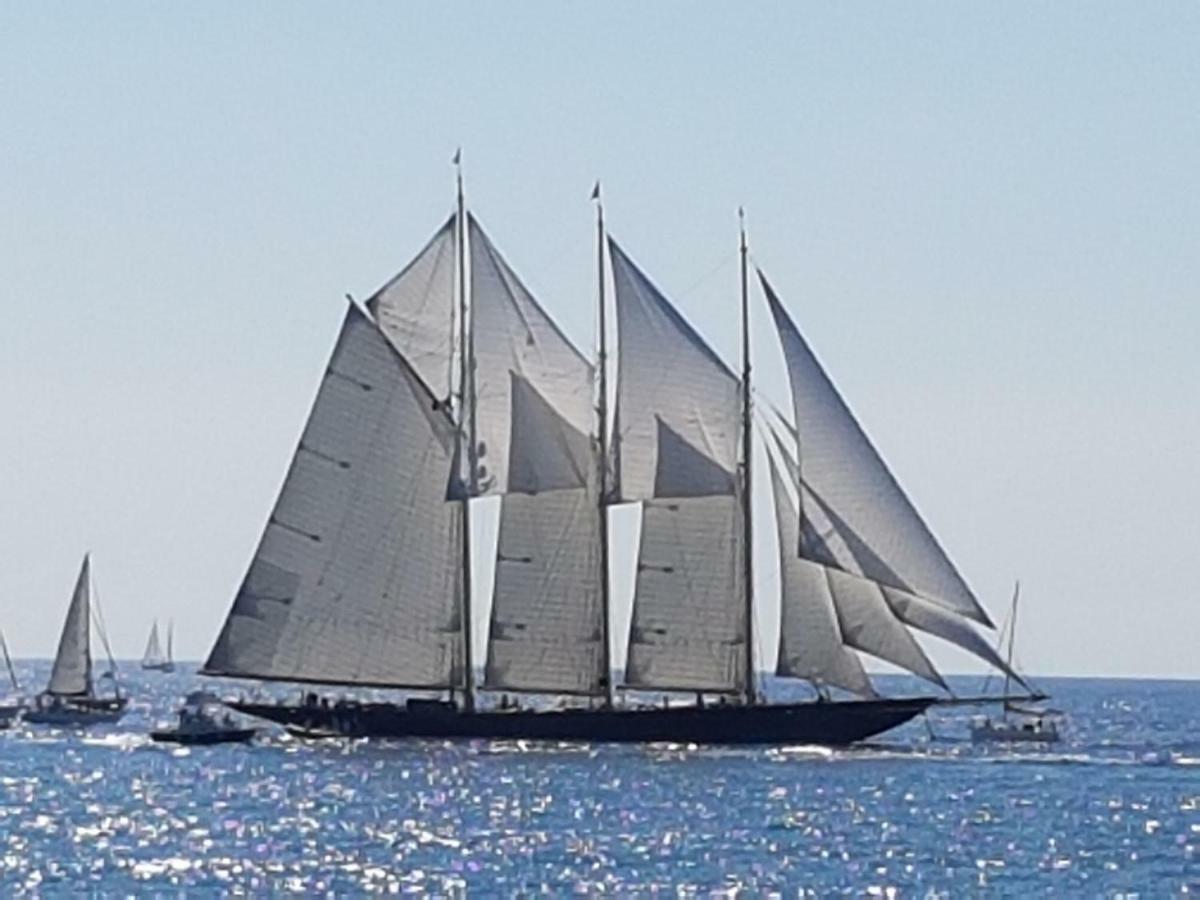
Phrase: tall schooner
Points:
(454, 384)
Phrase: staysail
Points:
(678, 408)
(869, 526)
(909, 609)
(546, 628)
(357, 575)
(72, 672)
(811, 645)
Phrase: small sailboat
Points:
(71, 697)
(1017, 723)
(153, 660)
(202, 721)
(10, 710)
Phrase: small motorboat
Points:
(204, 720)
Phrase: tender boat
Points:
(71, 697)
(202, 721)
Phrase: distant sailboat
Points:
(1019, 724)
(153, 660)
(71, 697)
(10, 711)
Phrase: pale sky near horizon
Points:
(985, 219)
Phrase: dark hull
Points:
(204, 738)
(829, 724)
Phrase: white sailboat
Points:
(455, 373)
(11, 709)
(154, 660)
(1017, 723)
(71, 697)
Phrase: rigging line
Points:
(725, 261)
(98, 618)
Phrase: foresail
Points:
(935, 620)
(416, 310)
(678, 404)
(521, 355)
(72, 672)
(810, 640)
(357, 576)
(546, 629)
(688, 629)
(870, 526)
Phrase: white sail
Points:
(866, 523)
(416, 310)
(678, 405)
(8, 664)
(934, 619)
(153, 654)
(357, 576)
(520, 353)
(810, 640)
(688, 628)
(72, 672)
(868, 624)
(546, 629)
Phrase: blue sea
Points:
(1113, 810)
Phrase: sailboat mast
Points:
(747, 452)
(602, 450)
(466, 424)
(1012, 636)
(12, 673)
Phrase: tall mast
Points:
(1012, 637)
(466, 426)
(748, 543)
(602, 449)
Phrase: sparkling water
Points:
(1114, 808)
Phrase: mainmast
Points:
(602, 449)
(747, 448)
(466, 426)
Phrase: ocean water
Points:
(1114, 810)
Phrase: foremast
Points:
(751, 685)
(602, 462)
(466, 430)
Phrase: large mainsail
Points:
(678, 411)
(866, 524)
(72, 672)
(356, 579)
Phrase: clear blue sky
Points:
(985, 217)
